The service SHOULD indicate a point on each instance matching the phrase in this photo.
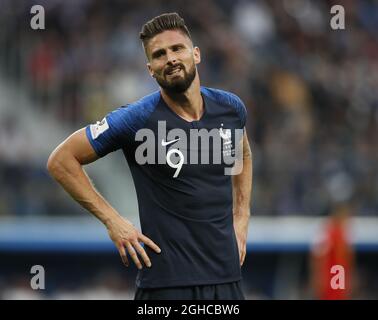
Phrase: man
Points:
(194, 217)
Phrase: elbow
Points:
(53, 164)
(61, 163)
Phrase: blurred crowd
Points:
(310, 91)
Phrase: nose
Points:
(171, 58)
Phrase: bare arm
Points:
(65, 164)
(242, 188)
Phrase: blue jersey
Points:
(185, 206)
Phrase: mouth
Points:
(174, 71)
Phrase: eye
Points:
(158, 54)
(177, 48)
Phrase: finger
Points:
(243, 258)
(123, 255)
(142, 253)
(133, 254)
(239, 251)
(149, 243)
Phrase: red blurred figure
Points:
(332, 258)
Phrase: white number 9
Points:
(178, 165)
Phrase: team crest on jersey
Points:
(99, 128)
(227, 141)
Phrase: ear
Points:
(197, 55)
(150, 70)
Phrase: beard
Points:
(177, 84)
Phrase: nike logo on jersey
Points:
(165, 143)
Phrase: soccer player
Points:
(194, 217)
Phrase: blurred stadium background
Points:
(311, 94)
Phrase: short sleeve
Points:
(113, 132)
(241, 110)
(119, 127)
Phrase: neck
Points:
(188, 105)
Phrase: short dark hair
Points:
(159, 24)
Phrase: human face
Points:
(172, 60)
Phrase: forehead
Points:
(167, 39)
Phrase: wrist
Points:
(242, 212)
(110, 219)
